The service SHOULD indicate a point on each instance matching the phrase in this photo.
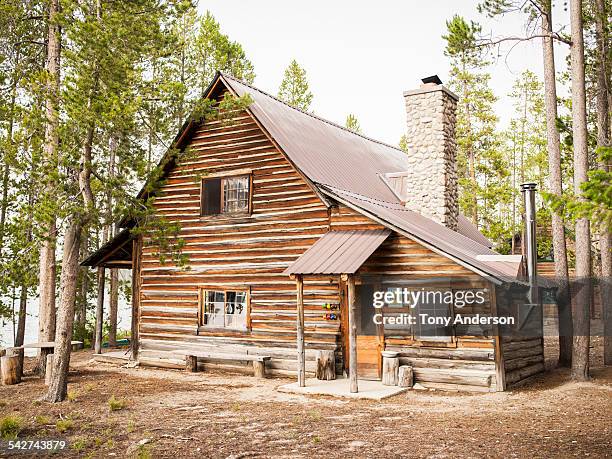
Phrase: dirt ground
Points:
(168, 413)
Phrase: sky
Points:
(360, 56)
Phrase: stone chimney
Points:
(430, 186)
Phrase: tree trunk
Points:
(405, 377)
(9, 368)
(46, 310)
(390, 371)
(68, 287)
(113, 307)
(21, 322)
(114, 273)
(603, 140)
(556, 188)
(580, 355)
(81, 310)
(99, 311)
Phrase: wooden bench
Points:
(259, 361)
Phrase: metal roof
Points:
(431, 234)
(338, 252)
(348, 167)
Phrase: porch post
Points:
(136, 244)
(301, 365)
(352, 313)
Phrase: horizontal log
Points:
(516, 376)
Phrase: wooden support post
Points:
(405, 377)
(259, 369)
(136, 244)
(301, 357)
(191, 363)
(352, 310)
(326, 365)
(49, 369)
(9, 368)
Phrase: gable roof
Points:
(347, 166)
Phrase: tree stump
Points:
(389, 371)
(405, 376)
(259, 369)
(191, 363)
(9, 369)
(42, 368)
(49, 369)
(326, 365)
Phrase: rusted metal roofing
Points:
(468, 229)
(348, 167)
(338, 252)
(431, 234)
(327, 153)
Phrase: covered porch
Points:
(121, 253)
(337, 253)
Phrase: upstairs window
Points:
(226, 195)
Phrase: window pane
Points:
(236, 194)
(211, 196)
(235, 310)
(213, 308)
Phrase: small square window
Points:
(224, 309)
(226, 195)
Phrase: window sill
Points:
(232, 217)
(213, 330)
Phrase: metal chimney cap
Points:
(435, 79)
(529, 186)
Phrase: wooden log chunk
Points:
(390, 371)
(259, 368)
(44, 352)
(405, 376)
(326, 365)
(9, 369)
(49, 369)
(191, 363)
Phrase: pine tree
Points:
(294, 88)
(476, 120)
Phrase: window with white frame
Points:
(224, 309)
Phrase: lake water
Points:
(31, 332)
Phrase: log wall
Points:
(287, 217)
(466, 363)
(252, 251)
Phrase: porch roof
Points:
(338, 252)
(116, 253)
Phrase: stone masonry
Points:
(431, 183)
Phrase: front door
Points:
(369, 343)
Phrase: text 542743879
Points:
(31, 445)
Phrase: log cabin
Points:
(289, 222)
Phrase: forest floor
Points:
(168, 413)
